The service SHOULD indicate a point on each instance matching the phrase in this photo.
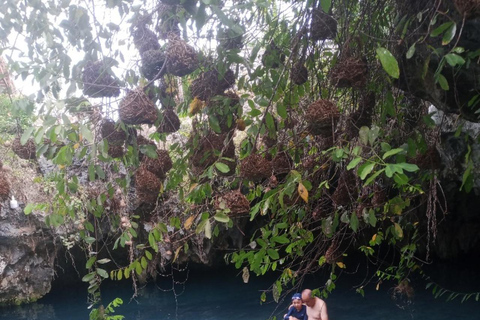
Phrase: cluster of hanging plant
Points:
(26, 151)
(98, 81)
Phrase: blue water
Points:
(222, 295)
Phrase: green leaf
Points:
(280, 239)
(326, 5)
(373, 177)
(363, 134)
(103, 261)
(365, 169)
(28, 209)
(391, 153)
(282, 110)
(354, 221)
(354, 163)
(389, 63)
(208, 229)
(221, 217)
(411, 51)
(144, 262)
(400, 178)
(398, 231)
(102, 273)
(454, 59)
(408, 166)
(90, 262)
(270, 122)
(88, 277)
(222, 167)
(443, 82)
(148, 255)
(26, 134)
(372, 219)
(449, 34)
(438, 31)
(214, 124)
(273, 254)
(86, 133)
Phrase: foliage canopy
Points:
(337, 153)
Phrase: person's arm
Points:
(323, 312)
(289, 313)
(305, 317)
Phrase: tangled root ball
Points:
(323, 26)
(145, 40)
(182, 58)
(346, 190)
(153, 64)
(116, 151)
(299, 74)
(235, 201)
(322, 117)
(4, 186)
(26, 151)
(147, 185)
(114, 136)
(210, 83)
(255, 168)
(170, 122)
(210, 148)
(350, 72)
(470, 9)
(137, 108)
(159, 166)
(98, 82)
(282, 163)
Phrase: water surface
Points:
(222, 295)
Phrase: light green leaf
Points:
(411, 51)
(449, 34)
(389, 63)
(102, 273)
(208, 229)
(391, 153)
(88, 277)
(26, 134)
(90, 262)
(28, 209)
(280, 239)
(365, 169)
(398, 231)
(443, 82)
(454, 59)
(273, 254)
(86, 133)
(222, 167)
(221, 217)
(354, 163)
(373, 177)
(408, 166)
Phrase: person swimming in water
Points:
(297, 311)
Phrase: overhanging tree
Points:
(338, 153)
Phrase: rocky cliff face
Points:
(27, 256)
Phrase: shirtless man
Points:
(316, 307)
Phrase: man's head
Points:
(297, 301)
(307, 298)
